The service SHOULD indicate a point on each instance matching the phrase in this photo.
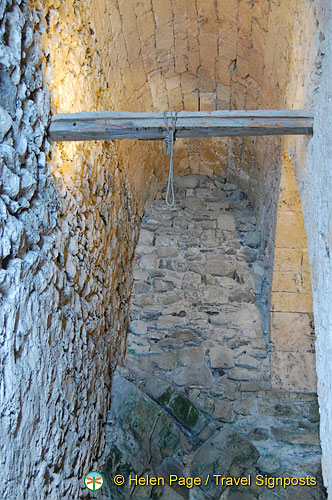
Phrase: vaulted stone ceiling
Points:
(203, 55)
(190, 55)
(155, 55)
(200, 55)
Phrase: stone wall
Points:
(163, 54)
(220, 55)
(292, 335)
(69, 228)
(183, 55)
(213, 55)
(195, 387)
(197, 270)
(311, 88)
(179, 55)
(68, 231)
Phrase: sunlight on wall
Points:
(292, 332)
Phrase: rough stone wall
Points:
(208, 55)
(135, 46)
(99, 207)
(198, 270)
(68, 230)
(44, 247)
(195, 386)
(159, 55)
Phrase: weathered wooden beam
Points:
(109, 125)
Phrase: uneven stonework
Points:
(162, 54)
(196, 275)
(194, 395)
(206, 55)
(68, 231)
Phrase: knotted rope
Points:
(169, 147)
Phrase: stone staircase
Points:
(154, 430)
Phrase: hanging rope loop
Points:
(169, 149)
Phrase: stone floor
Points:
(194, 394)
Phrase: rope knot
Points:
(169, 148)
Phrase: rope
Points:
(169, 147)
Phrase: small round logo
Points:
(93, 480)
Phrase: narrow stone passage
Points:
(194, 395)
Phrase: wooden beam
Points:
(110, 125)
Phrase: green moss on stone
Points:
(165, 397)
(184, 411)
